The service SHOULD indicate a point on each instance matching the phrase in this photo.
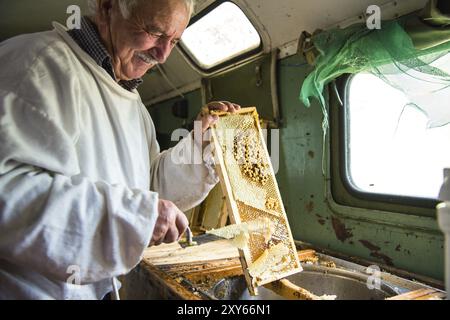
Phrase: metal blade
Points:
(201, 239)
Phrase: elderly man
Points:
(83, 187)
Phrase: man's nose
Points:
(163, 50)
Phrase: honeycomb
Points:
(248, 153)
(272, 204)
(240, 233)
(252, 193)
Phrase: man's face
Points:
(147, 37)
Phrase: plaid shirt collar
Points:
(88, 38)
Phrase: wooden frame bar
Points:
(245, 254)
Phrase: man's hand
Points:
(208, 119)
(170, 225)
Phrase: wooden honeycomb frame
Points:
(248, 199)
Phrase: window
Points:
(219, 36)
(390, 148)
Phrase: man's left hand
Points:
(208, 119)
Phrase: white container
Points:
(444, 194)
(443, 215)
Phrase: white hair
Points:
(126, 6)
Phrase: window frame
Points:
(241, 58)
(342, 189)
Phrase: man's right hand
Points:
(170, 225)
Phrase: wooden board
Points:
(173, 253)
(233, 178)
(421, 294)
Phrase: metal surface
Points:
(400, 278)
(260, 87)
(346, 285)
(189, 236)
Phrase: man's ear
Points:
(104, 10)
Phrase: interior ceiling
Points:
(278, 21)
(286, 19)
(282, 21)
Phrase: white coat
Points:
(80, 172)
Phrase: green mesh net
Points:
(389, 53)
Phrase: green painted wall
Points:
(26, 16)
(166, 122)
(405, 241)
(409, 242)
